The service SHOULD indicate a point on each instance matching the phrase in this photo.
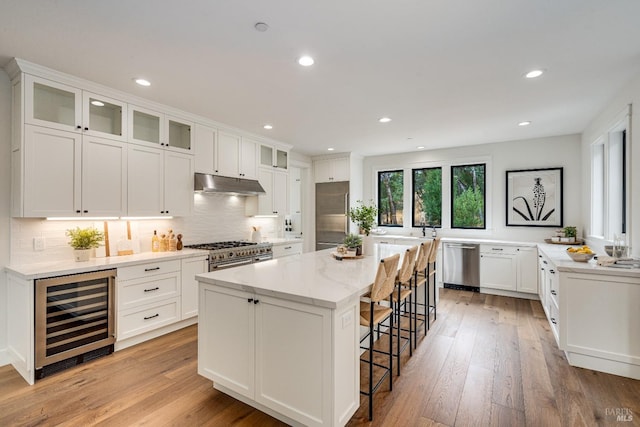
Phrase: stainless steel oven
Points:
(230, 254)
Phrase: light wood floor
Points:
(488, 360)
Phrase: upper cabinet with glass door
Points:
(59, 106)
(273, 157)
(155, 129)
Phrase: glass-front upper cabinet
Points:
(103, 116)
(273, 157)
(59, 106)
(152, 128)
(52, 104)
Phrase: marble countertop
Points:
(61, 268)
(557, 254)
(315, 278)
(278, 241)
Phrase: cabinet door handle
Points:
(85, 211)
(553, 292)
(552, 271)
(151, 317)
(78, 127)
(152, 269)
(544, 262)
(86, 128)
(152, 289)
(249, 299)
(78, 211)
(553, 320)
(255, 301)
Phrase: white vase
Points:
(82, 254)
(367, 245)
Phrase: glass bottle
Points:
(155, 242)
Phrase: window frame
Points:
(452, 196)
(379, 191)
(413, 199)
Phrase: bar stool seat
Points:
(372, 314)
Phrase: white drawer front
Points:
(149, 269)
(288, 249)
(149, 317)
(137, 292)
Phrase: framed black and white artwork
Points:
(534, 197)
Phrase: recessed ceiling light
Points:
(330, 149)
(534, 73)
(97, 103)
(384, 120)
(268, 127)
(525, 123)
(305, 61)
(420, 147)
(261, 26)
(142, 82)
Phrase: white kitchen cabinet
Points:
(275, 157)
(156, 129)
(206, 149)
(527, 269)
(254, 358)
(330, 170)
(237, 156)
(287, 249)
(148, 297)
(59, 106)
(160, 182)
(67, 174)
(275, 199)
(295, 191)
(509, 268)
(189, 293)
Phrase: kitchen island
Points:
(283, 335)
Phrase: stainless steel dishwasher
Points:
(462, 266)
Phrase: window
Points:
(427, 197)
(390, 198)
(468, 196)
(609, 183)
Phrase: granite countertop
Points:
(315, 278)
(557, 254)
(62, 268)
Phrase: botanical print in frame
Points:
(534, 197)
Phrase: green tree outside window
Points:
(427, 197)
(468, 196)
(390, 198)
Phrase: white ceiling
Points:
(448, 72)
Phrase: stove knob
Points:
(241, 253)
(230, 255)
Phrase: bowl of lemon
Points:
(580, 253)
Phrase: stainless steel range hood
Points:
(222, 184)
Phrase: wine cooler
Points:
(74, 320)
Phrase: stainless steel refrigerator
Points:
(332, 207)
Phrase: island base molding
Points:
(258, 406)
(603, 365)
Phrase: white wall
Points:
(558, 151)
(630, 94)
(5, 199)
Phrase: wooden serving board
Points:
(345, 256)
(578, 241)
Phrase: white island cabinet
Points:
(283, 335)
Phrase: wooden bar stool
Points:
(401, 298)
(372, 314)
(419, 279)
(431, 270)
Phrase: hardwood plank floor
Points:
(487, 360)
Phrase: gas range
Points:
(234, 253)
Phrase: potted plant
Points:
(570, 233)
(364, 216)
(353, 242)
(82, 240)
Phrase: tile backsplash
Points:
(216, 217)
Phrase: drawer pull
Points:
(544, 261)
(151, 317)
(497, 249)
(552, 271)
(287, 247)
(152, 289)
(553, 320)
(553, 292)
(152, 269)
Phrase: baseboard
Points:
(4, 357)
